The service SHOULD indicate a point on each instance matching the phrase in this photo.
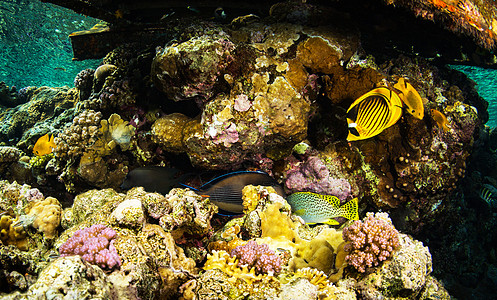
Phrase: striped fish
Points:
(371, 113)
(489, 193)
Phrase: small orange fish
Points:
(44, 145)
(440, 118)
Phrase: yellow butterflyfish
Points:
(411, 98)
(44, 145)
(371, 113)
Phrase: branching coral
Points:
(84, 80)
(263, 259)
(370, 241)
(82, 134)
(95, 245)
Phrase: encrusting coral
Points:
(47, 213)
(370, 241)
(12, 234)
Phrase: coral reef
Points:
(8, 96)
(95, 245)
(312, 175)
(260, 93)
(404, 275)
(71, 276)
(370, 241)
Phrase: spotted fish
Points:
(315, 208)
(372, 113)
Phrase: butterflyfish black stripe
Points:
(376, 114)
(364, 108)
(369, 111)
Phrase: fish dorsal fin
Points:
(210, 183)
(333, 200)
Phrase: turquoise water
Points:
(486, 80)
(34, 43)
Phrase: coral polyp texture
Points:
(370, 241)
(95, 245)
(263, 259)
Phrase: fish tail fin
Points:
(188, 187)
(351, 210)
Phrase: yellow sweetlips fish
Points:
(411, 98)
(371, 113)
(315, 208)
(44, 145)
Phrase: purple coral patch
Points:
(313, 176)
(95, 245)
(263, 259)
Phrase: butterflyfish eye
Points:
(413, 111)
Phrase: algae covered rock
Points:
(405, 275)
(71, 277)
(256, 98)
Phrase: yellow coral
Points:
(117, 131)
(168, 131)
(320, 253)
(11, 234)
(255, 195)
(221, 260)
(314, 276)
(48, 213)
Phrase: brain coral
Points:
(370, 241)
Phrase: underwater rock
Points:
(71, 276)
(192, 68)
(262, 105)
(45, 109)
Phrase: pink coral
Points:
(95, 245)
(370, 241)
(313, 176)
(263, 259)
